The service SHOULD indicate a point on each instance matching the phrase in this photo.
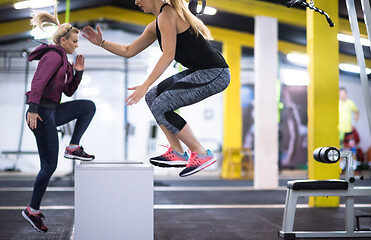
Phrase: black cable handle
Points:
(312, 7)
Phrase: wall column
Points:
(232, 138)
(323, 93)
(266, 106)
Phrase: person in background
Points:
(54, 75)
(347, 111)
(182, 37)
(348, 114)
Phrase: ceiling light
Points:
(298, 59)
(352, 68)
(295, 77)
(48, 32)
(34, 4)
(208, 10)
(350, 39)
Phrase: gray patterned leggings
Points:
(183, 89)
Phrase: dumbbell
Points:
(326, 154)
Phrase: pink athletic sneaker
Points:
(36, 220)
(78, 153)
(170, 159)
(198, 162)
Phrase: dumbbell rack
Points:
(307, 188)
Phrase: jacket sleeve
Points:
(49, 64)
(71, 85)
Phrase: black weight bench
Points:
(298, 185)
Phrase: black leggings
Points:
(47, 139)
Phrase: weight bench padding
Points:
(317, 185)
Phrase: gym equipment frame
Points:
(359, 49)
(306, 188)
(353, 20)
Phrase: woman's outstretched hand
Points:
(80, 63)
(139, 92)
(93, 36)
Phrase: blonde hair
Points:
(43, 19)
(196, 24)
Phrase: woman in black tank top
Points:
(184, 38)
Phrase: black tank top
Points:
(194, 52)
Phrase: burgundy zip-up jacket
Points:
(54, 75)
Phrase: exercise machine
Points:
(345, 188)
(353, 20)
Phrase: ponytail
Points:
(196, 24)
(43, 19)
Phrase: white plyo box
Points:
(113, 201)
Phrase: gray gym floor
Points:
(185, 209)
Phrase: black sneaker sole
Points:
(164, 165)
(32, 224)
(196, 170)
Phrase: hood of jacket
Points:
(41, 50)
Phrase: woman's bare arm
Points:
(142, 42)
